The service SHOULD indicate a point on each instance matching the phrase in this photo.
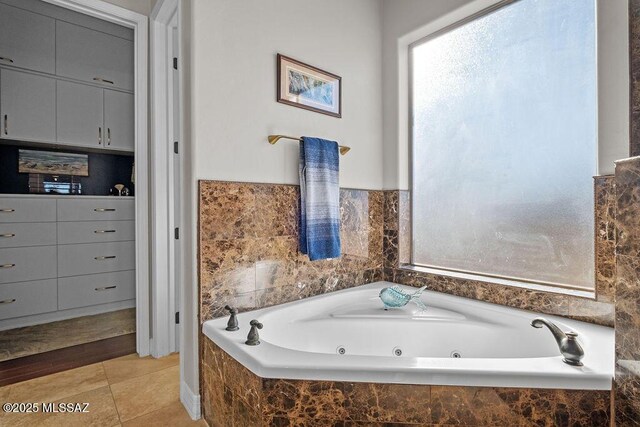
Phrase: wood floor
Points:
(38, 365)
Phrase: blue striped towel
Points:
(319, 199)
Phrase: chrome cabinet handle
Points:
(108, 136)
(104, 231)
(106, 288)
(7, 210)
(99, 135)
(104, 209)
(102, 258)
(6, 125)
(7, 266)
(101, 80)
(4, 58)
(8, 235)
(8, 301)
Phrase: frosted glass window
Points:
(504, 142)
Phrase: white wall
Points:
(404, 21)
(234, 86)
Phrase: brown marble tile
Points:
(391, 209)
(303, 400)
(244, 384)
(277, 211)
(627, 397)
(252, 260)
(390, 248)
(544, 407)
(628, 309)
(397, 403)
(605, 208)
(226, 210)
(628, 206)
(245, 415)
(484, 406)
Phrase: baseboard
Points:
(190, 400)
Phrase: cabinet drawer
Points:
(96, 209)
(81, 291)
(77, 260)
(95, 232)
(23, 264)
(27, 210)
(27, 234)
(27, 298)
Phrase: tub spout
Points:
(567, 342)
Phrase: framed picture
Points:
(308, 87)
(53, 163)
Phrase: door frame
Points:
(162, 17)
(139, 24)
(164, 14)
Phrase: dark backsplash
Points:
(105, 170)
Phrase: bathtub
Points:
(348, 336)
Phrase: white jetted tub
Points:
(348, 336)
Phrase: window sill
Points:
(500, 281)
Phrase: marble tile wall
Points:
(248, 240)
(627, 304)
(397, 242)
(234, 396)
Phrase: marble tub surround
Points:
(234, 396)
(627, 305)
(397, 247)
(25, 341)
(248, 240)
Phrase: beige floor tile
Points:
(58, 386)
(173, 415)
(142, 395)
(102, 413)
(131, 366)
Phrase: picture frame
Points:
(52, 163)
(305, 86)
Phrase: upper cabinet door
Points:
(79, 114)
(119, 120)
(27, 106)
(93, 56)
(27, 40)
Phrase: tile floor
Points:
(127, 391)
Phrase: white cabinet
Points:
(119, 120)
(27, 106)
(89, 261)
(93, 56)
(79, 115)
(27, 40)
